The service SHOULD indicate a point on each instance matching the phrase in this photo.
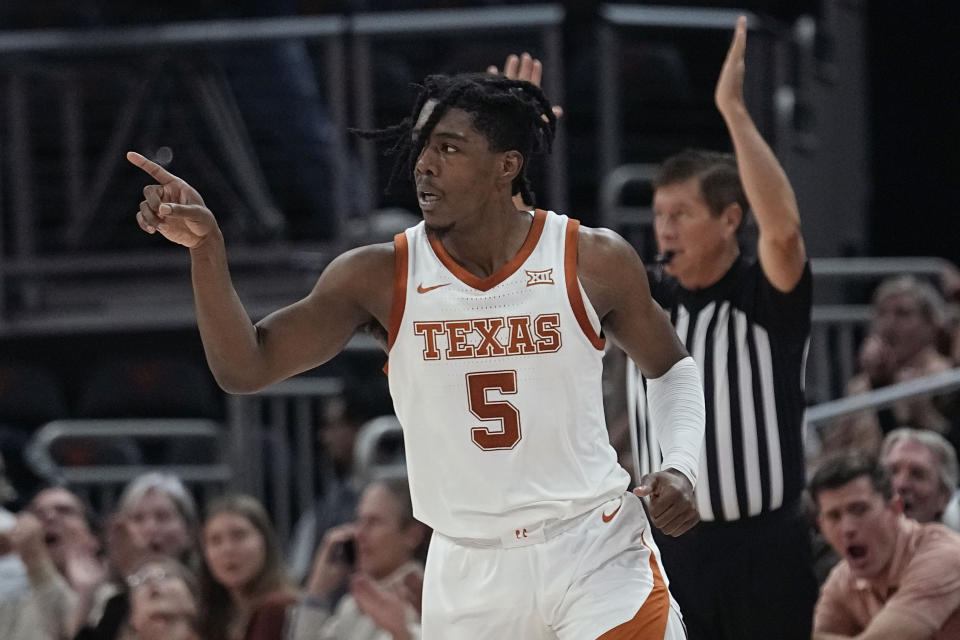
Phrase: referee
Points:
(744, 572)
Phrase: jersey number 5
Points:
(477, 386)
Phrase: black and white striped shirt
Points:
(750, 341)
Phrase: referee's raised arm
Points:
(780, 245)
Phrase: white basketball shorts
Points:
(598, 575)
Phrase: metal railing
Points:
(614, 214)
(821, 415)
(370, 439)
(125, 442)
(272, 444)
(934, 384)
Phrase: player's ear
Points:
(510, 164)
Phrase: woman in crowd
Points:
(245, 592)
(162, 517)
(163, 601)
(156, 516)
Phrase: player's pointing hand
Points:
(172, 207)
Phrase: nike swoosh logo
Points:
(608, 518)
(423, 289)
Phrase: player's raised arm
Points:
(781, 250)
(242, 356)
(616, 284)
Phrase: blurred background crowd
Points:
(141, 502)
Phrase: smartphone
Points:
(348, 553)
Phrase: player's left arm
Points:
(780, 247)
(615, 282)
(888, 624)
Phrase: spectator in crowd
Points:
(156, 516)
(163, 601)
(336, 501)
(923, 469)
(384, 541)
(161, 513)
(20, 606)
(897, 578)
(54, 539)
(948, 283)
(902, 344)
(245, 592)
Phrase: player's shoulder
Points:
(365, 275)
(601, 238)
(369, 258)
(369, 266)
(608, 267)
(600, 248)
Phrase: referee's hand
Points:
(669, 501)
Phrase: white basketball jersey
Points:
(497, 383)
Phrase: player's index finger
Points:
(160, 174)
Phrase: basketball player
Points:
(495, 320)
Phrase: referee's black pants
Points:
(750, 579)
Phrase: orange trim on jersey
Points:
(651, 620)
(570, 252)
(399, 287)
(504, 272)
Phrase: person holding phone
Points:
(376, 557)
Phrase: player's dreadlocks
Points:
(511, 115)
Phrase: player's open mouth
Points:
(427, 197)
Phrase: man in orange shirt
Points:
(897, 578)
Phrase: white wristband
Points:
(678, 414)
